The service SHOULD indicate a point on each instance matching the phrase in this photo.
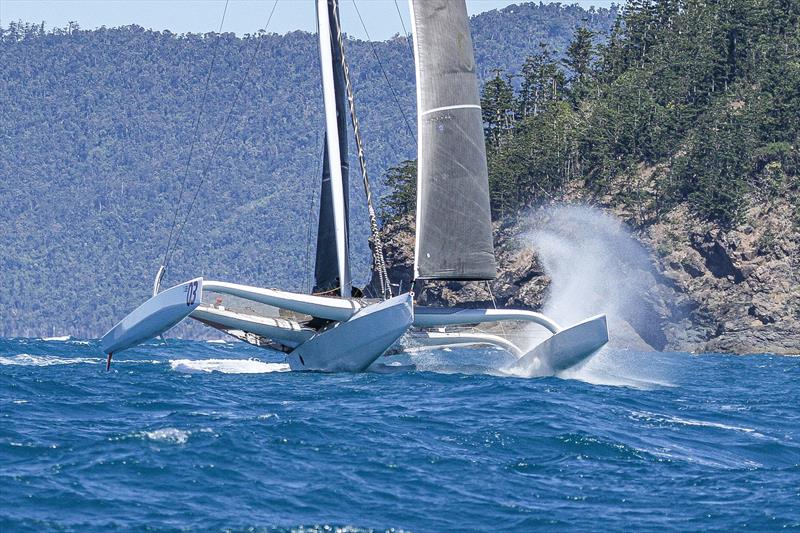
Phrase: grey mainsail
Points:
(332, 269)
(454, 231)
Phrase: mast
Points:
(454, 226)
(334, 199)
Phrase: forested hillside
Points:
(96, 127)
(684, 102)
(687, 101)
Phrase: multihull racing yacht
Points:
(329, 330)
(343, 333)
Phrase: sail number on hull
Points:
(191, 293)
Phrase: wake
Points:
(226, 366)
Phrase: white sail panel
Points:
(454, 231)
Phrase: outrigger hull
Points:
(565, 349)
(154, 317)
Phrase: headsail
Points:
(333, 255)
(454, 231)
(326, 270)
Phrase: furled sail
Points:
(454, 232)
(332, 270)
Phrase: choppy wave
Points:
(25, 359)
(433, 441)
(656, 418)
(58, 338)
(170, 435)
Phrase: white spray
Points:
(595, 267)
(594, 264)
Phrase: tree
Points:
(580, 53)
(401, 181)
(497, 104)
(542, 82)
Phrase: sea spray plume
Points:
(596, 266)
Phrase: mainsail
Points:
(454, 231)
(332, 271)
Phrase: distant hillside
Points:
(95, 131)
(504, 38)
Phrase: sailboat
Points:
(331, 330)
(453, 234)
(453, 218)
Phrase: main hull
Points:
(353, 345)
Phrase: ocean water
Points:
(218, 436)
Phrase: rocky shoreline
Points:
(678, 284)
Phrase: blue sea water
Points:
(215, 436)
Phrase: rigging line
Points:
(494, 303)
(377, 244)
(195, 130)
(405, 31)
(222, 131)
(385, 76)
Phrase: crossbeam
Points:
(433, 317)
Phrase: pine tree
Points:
(542, 82)
(401, 181)
(497, 103)
(579, 60)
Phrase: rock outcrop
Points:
(742, 286)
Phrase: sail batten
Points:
(451, 107)
(454, 232)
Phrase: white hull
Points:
(363, 334)
(569, 348)
(566, 348)
(353, 345)
(154, 317)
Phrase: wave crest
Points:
(227, 366)
(25, 359)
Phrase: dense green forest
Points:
(96, 128)
(686, 101)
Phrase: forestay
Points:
(454, 233)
